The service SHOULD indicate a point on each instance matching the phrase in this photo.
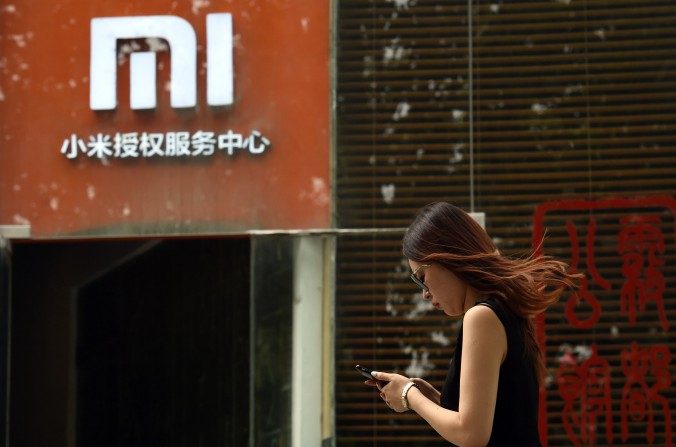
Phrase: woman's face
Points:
(446, 291)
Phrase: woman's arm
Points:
(484, 347)
(428, 390)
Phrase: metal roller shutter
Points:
(572, 101)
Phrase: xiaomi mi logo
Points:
(106, 31)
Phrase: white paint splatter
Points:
(2, 95)
(72, 83)
(573, 89)
(392, 298)
(549, 380)
(199, 4)
(583, 352)
(156, 44)
(19, 39)
(402, 111)
(11, 9)
(20, 220)
(614, 331)
(389, 307)
(237, 42)
(421, 307)
(565, 2)
(54, 203)
(495, 8)
(458, 115)
(368, 66)
(574, 355)
(566, 355)
(402, 4)
(91, 192)
(387, 192)
(419, 153)
(394, 52)
(126, 211)
(16, 187)
(304, 23)
(539, 108)
(457, 153)
(440, 338)
(420, 364)
(130, 47)
(600, 33)
(372, 160)
(126, 49)
(319, 193)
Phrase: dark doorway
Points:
(159, 341)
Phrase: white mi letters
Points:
(106, 31)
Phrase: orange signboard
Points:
(219, 121)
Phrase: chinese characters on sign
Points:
(587, 386)
(605, 385)
(168, 145)
(642, 249)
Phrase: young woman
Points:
(490, 396)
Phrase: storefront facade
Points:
(165, 213)
(249, 215)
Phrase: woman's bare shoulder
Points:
(483, 327)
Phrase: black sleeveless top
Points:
(515, 422)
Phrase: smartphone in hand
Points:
(364, 371)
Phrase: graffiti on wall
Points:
(610, 388)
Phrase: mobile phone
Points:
(364, 371)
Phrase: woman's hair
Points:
(445, 234)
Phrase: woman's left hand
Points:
(391, 393)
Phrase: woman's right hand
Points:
(427, 390)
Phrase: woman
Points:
(490, 396)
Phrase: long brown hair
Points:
(445, 234)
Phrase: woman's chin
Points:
(458, 314)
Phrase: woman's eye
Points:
(422, 278)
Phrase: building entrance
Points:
(131, 343)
